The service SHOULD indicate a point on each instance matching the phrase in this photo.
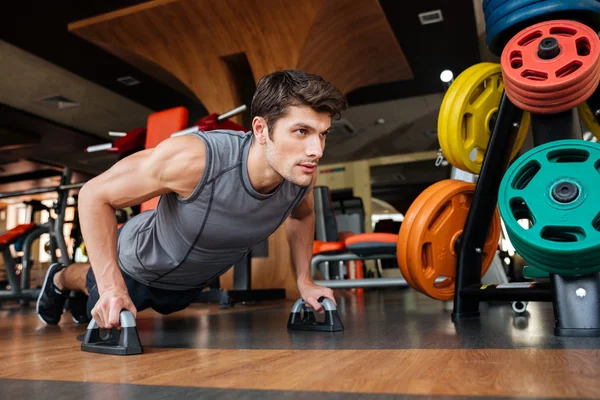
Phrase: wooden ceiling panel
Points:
(348, 42)
(190, 37)
(352, 45)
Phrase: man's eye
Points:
(302, 131)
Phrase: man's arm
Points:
(175, 165)
(300, 230)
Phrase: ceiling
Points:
(40, 58)
(28, 80)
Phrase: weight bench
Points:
(331, 246)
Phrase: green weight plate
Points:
(554, 188)
(530, 272)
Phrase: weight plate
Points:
(502, 25)
(587, 116)
(406, 226)
(499, 12)
(547, 105)
(466, 116)
(436, 225)
(551, 206)
(552, 66)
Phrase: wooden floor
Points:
(395, 343)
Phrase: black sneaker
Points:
(78, 306)
(51, 301)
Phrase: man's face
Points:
(298, 143)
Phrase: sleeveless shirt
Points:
(185, 242)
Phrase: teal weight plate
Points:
(555, 187)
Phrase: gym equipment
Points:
(25, 235)
(429, 237)
(215, 121)
(530, 272)
(589, 118)
(589, 113)
(302, 317)
(553, 190)
(552, 66)
(371, 243)
(22, 237)
(135, 140)
(331, 246)
(567, 293)
(123, 342)
(548, 69)
(468, 113)
(519, 306)
(504, 18)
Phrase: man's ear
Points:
(261, 130)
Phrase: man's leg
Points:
(169, 301)
(72, 278)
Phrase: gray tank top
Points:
(186, 242)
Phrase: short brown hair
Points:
(279, 90)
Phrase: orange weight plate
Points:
(415, 264)
(431, 246)
(406, 227)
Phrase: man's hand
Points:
(311, 293)
(107, 310)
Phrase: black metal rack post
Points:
(483, 206)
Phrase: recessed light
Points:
(128, 81)
(59, 101)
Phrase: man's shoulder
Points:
(225, 145)
(222, 135)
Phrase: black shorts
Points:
(162, 301)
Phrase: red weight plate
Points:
(551, 84)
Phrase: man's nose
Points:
(314, 148)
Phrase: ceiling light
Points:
(446, 76)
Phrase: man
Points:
(222, 192)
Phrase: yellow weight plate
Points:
(477, 99)
(586, 115)
(465, 116)
(446, 110)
